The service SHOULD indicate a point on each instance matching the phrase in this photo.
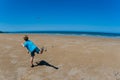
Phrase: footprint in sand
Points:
(117, 75)
(8, 47)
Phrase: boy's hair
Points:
(26, 38)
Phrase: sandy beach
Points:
(66, 58)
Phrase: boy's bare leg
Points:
(31, 60)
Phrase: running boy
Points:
(32, 48)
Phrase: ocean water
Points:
(71, 33)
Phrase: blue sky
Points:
(60, 15)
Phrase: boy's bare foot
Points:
(45, 49)
(42, 49)
(32, 66)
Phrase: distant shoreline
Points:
(69, 33)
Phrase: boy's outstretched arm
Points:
(24, 46)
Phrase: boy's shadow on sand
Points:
(43, 62)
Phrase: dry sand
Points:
(78, 58)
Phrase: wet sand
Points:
(66, 58)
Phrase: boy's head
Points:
(26, 38)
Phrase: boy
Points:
(32, 48)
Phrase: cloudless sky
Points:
(60, 15)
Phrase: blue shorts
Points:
(37, 50)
